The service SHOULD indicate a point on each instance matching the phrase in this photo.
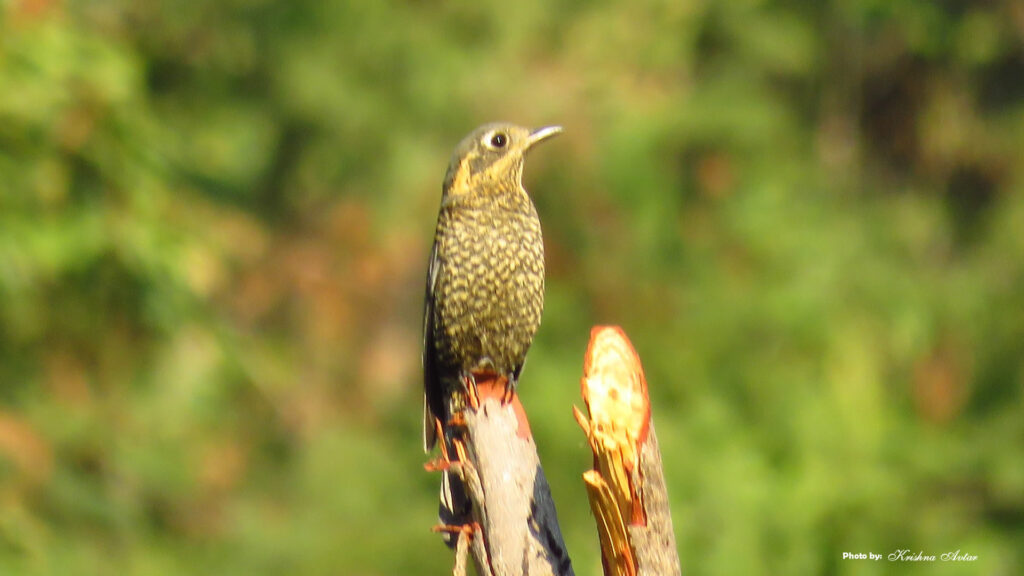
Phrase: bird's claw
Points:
(510, 390)
(439, 464)
(468, 528)
(445, 461)
(472, 393)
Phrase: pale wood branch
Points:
(654, 542)
(515, 530)
(627, 485)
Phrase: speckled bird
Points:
(485, 284)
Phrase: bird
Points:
(485, 280)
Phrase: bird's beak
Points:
(541, 134)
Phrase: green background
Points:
(214, 226)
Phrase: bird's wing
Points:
(431, 379)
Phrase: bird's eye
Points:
(499, 139)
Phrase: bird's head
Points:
(491, 158)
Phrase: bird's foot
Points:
(460, 451)
(468, 528)
(510, 390)
(472, 393)
(444, 461)
(438, 464)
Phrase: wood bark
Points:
(514, 528)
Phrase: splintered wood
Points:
(626, 487)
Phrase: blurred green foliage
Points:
(214, 225)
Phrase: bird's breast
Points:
(490, 285)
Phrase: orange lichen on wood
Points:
(489, 385)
